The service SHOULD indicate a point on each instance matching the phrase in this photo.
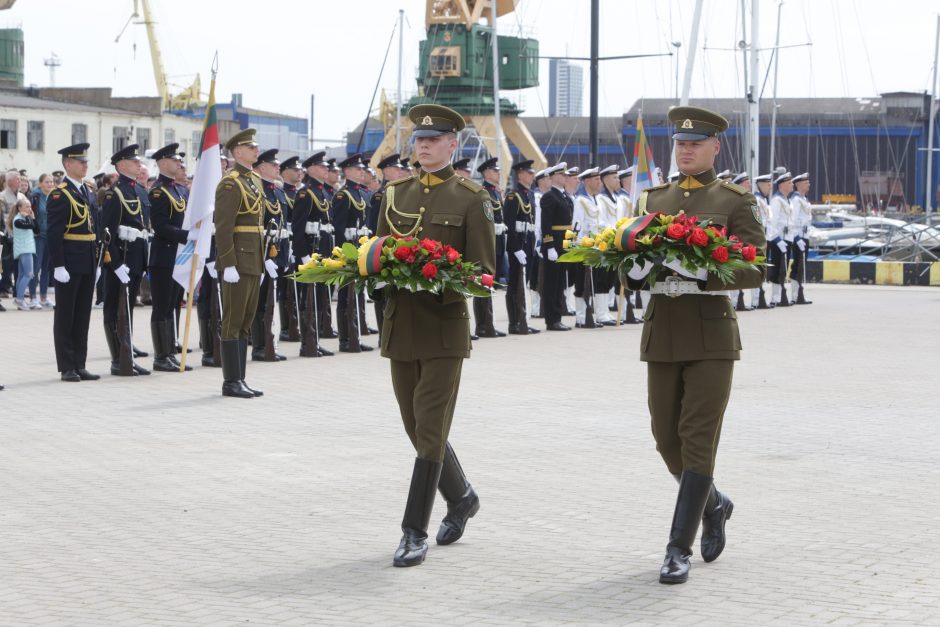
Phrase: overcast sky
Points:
(278, 52)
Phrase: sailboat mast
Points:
(753, 102)
(496, 122)
(595, 46)
(401, 20)
(930, 127)
(689, 67)
(773, 113)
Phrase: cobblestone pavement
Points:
(155, 501)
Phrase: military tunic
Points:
(520, 220)
(167, 211)
(349, 216)
(425, 336)
(122, 207)
(313, 232)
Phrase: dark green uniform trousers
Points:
(687, 402)
(239, 302)
(426, 390)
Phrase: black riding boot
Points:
(414, 525)
(232, 384)
(242, 358)
(258, 338)
(206, 342)
(462, 501)
(717, 511)
(114, 347)
(171, 344)
(161, 348)
(690, 504)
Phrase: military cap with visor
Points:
(352, 161)
(490, 164)
(391, 161)
(589, 173)
(127, 153)
(801, 177)
(431, 120)
(461, 164)
(523, 166)
(783, 178)
(291, 163)
(75, 151)
(242, 138)
(315, 159)
(740, 178)
(696, 123)
(167, 152)
(268, 156)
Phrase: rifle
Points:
(293, 306)
(269, 352)
(589, 322)
(215, 321)
(125, 331)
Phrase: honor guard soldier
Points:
(780, 238)
(291, 177)
(725, 175)
(801, 219)
(167, 210)
(543, 183)
(483, 307)
(608, 201)
(520, 245)
(690, 339)
(276, 236)
(762, 194)
(626, 190)
(462, 168)
(557, 211)
(127, 248)
(240, 256)
(586, 218)
(427, 336)
(392, 170)
(332, 177)
(349, 215)
(75, 259)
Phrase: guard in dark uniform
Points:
(392, 170)
(349, 217)
(276, 254)
(520, 245)
(167, 210)
(239, 238)
(557, 210)
(289, 303)
(122, 216)
(690, 338)
(462, 168)
(71, 242)
(427, 337)
(483, 307)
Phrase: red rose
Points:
(698, 237)
(749, 253)
(430, 245)
(720, 254)
(403, 252)
(452, 255)
(718, 232)
(429, 271)
(677, 230)
(486, 280)
(737, 246)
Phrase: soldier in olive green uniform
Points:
(690, 339)
(239, 211)
(427, 337)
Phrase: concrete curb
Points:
(873, 273)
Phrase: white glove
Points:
(364, 231)
(61, 275)
(520, 256)
(192, 235)
(271, 267)
(552, 254)
(97, 273)
(700, 275)
(210, 268)
(326, 228)
(521, 227)
(801, 245)
(501, 228)
(230, 275)
(782, 245)
(312, 228)
(350, 233)
(123, 273)
(640, 270)
(127, 233)
(305, 260)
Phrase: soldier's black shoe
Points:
(138, 352)
(558, 326)
(800, 298)
(491, 333)
(242, 356)
(462, 501)
(163, 364)
(138, 369)
(284, 336)
(162, 346)
(116, 370)
(208, 360)
(236, 389)
(414, 524)
(518, 329)
(71, 376)
(609, 323)
(323, 352)
(372, 331)
(713, 526)
(474, 336)
(329, 334)
(690, 505)
(231, 370)
(534, 330)
(84, 375)
(365, 347)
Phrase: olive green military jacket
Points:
(239, 212)
(455, 211)
(693, 327)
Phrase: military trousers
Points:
(70, 320)
(165, 294)
(687, 402)
(553, 287)
(239, 302)
(426, 390)
(515, 293)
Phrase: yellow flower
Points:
(566, 244)
(602, 246)
(666, 220)
(587, 242)
(334, 264)
(337, 251)
(646, 240)
(570, 234)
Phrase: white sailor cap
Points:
(611, 169)
(573, 171)
(555, 169)
(740, 177)
(589, 173)
(724, 174)
(625, 172)
(801, 177)
(541, 174)
(763, 177)
(786, 176)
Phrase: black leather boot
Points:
(171, 345)
(232, 384)
(114, 347)
(462, 501)
(258, 338)
(414, 525)
(161, 359)
(690, 504)
(242, 358)
(718, 510)
(205, 342)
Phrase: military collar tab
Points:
(697, 180)
(430, 179)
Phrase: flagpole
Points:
(194, 263)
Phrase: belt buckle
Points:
(672, 287)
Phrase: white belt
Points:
(327, 228)
(283, 234)
(674, 287)
(523, 227)
(129, 233)
(312, 228)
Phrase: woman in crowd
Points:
(23, 226)
(41, 268)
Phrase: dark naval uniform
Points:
(520, 238)
(239, 211)
(72, 246)
(167, 211)
(557, 211)
(122, 215)
(690, 342)
(483, 307)
(427, 337)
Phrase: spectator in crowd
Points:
(23, 224)
(8, 199)
(41, 268)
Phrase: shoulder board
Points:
(56, 195)
(232, 175)
(302, 193)
(62, 185)
(474, 187)
(402, 180)
(657, 188)
(735, 188)
(155, 192)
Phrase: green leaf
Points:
(350, 251)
